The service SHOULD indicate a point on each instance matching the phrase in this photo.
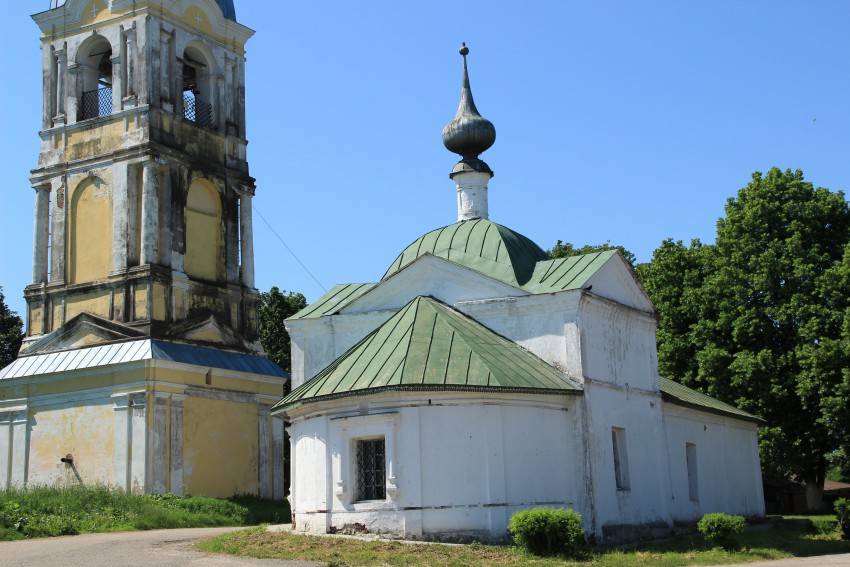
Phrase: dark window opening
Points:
(621, 458)
(196, 106)
(97, 85)
(371, 471)
(691, 461)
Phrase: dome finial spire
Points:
(468, 134)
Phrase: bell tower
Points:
(143, 194)
(141, 367)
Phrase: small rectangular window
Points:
(370, 469)
(691, 458)
(621, 458)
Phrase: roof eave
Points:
(282, 407)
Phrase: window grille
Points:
(97, 102)
(198, 111)
(371, 469)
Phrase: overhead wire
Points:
(300, 263)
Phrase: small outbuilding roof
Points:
(428, 346)
(680, 394)
(136, 350)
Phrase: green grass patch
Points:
(785, 538)
(50, 511)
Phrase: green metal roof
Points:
(679, 394)
(562, 274)
(428, 346)
(479, 244)
(338, 297)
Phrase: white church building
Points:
(480, 377)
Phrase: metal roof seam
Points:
(430, 341)
(448, 357)
(389, 334)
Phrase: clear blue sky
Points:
(623, 121)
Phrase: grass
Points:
(50, 511)
(786, 538)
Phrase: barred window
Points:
(371, 470)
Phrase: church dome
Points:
(481, 245)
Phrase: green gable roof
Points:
(338, 297)
(428, 346)
(479, 244)
(562, 274)
(679, 394)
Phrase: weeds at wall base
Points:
(54, 511)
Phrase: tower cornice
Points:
(70, 19)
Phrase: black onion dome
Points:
(469, 134)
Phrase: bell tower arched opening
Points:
(198, 87)
(94, 60)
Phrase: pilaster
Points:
(41, 233)
(139, 481)
(159, 444)
(120, 216)
(57, 234)
(122, 443)
(246, 227)
(175, 481)
(61, 80)
(150, 213)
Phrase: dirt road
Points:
(156, 548)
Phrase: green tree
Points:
(760, 318)
(566, 249)
(275, 306)
(674, 281)
(11, 332)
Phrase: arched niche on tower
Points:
(94, 77)
(89, 255)
(203, 259)
(199, 84)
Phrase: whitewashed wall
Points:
(728, 469)
(457, 467)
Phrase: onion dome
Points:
(468, 134)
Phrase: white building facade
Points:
(481, 377)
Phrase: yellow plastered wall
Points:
(196, 18)
(35, 318)
(203, 232)
(90, 232)
(95, 11)
(220, 441)
(140, 305)
(82, 429)
(97, 303)
(95, 141)
(159, 299)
